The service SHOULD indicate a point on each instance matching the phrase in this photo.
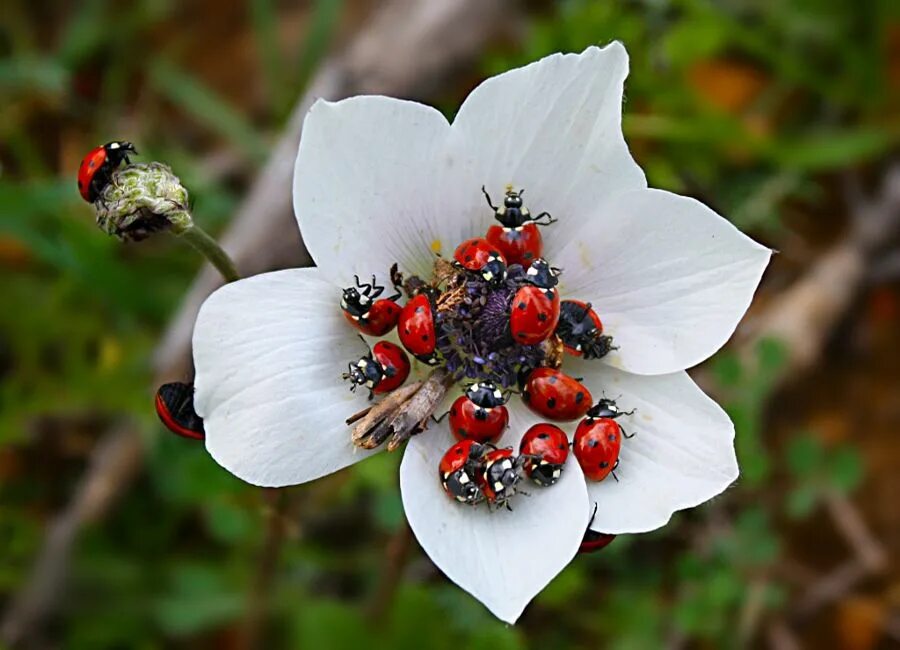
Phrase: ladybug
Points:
(517, 235)
(97, 167)
(459, 469)
(594, 541)
(416, 328)
(175, 408)
(382, 370)
(598, 440)
(480, 414)
(499, 474)
(581, 331)
(480, 256)
(534, 310)
(555, 395)
(545, 447)
(365, 313)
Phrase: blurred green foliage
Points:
(747, 105)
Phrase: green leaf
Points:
(846, 469)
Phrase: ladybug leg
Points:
(548, 219)
(627, 436)
(613, 472)
(593, 514)
(377, 289)
(488, 198)
(440, 419)
(364, 342)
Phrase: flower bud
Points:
(142, 199)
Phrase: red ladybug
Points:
(594, 541)
(598, 440)
(385, 368)
(416, 328)
(534, 311)
(480, 256)
(480, 414)
(175, 408)
(499, 474)
(517, 235)
(545, 448)
(98, 165)
(581, 331)
(367, 313)
(459, 469)
(555, 395)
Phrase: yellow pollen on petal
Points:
(436, 246)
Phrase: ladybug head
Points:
(462, 488)
(542, 275)
(605, 408)
(118, 150)
(513, 199)
(365, 372)
(494, 271)
(485, 394)
(352, 300)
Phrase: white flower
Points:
(378, 181)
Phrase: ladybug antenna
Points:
(544, 219)
(488, 197)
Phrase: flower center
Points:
(473, 331)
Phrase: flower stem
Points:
(210, 249)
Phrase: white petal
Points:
(669, 278)
(681, 455)
(502, 558)
(269, 352)
(367, 187)
(554, 128)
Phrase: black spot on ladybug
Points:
(543, 436)
(561, 446)
(526, 396)
(528, 255)
(420, 309)
(458, 450)
(522, 305)
(462, 432)
(604, 465)
(79, 185)
(91, 165)
(521, 335)
(468, 258)
(551, 379)
(406, 330)
(612, 437)
(452, 411)
(424, 337)
(551, 403)
(592, 443)
(579, 397)
(542, 317)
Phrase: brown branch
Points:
(395, 55)
(395, 557)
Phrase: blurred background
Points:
(115, 534)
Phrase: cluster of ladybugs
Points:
(474, 470)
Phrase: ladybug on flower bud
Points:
(517, 235)
(480, 414)
(459, 469)
(480, 256)
(95, 171)
(545, 448)
(534, 310)
(368, 313)
(598, 440)
(382, 370)
(581, 330)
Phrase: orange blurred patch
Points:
(859, 623)
(14, 255)
(727, 85)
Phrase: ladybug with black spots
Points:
(545, 448)
(95, 171)
(555, 395)
(499, 475)
(383, 369)
(480, 256)
(581, 330)
(598, 440)
(534, 311)
(367, 312)
(175, 408)
(480, 414)
(594, 541)
(416, 328)
(459, 469)
(517, 235)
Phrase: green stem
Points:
(210, 249)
